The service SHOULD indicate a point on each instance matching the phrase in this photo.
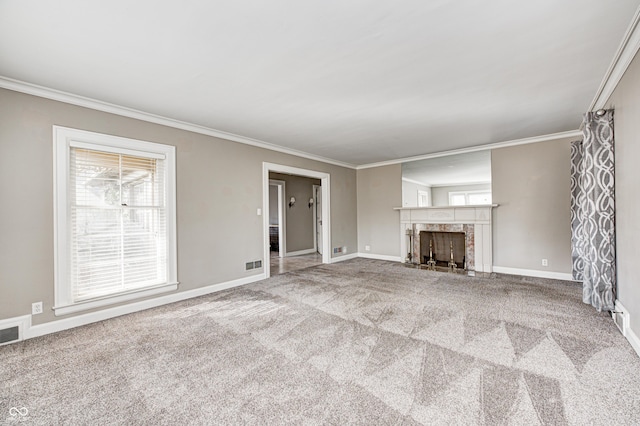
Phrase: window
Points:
(423, 198)
(115, 219)
(472, 198)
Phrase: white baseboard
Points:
(343, 258)
(626, 329)
(84, 319)
(533, 273)
(300, 252)
(380, 257)
(633, 339)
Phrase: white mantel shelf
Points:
(478, 216)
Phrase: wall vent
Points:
(253, 265)
(619, 320)
(9, 335)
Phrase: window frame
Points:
(63, 139)
(466, 197)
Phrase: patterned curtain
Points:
(593, 211)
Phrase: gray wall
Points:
(219, 188)
(299, 218)
(441, 193)
(379, 191)
(626, 102)
(410, 193)
(531, 183)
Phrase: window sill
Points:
(111, 300)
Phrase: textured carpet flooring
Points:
(358, 342)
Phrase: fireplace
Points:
(442, 236)
(442, 248)
(472, 223)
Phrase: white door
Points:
(318, 204)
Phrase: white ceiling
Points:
(459, 169)
(356, 81)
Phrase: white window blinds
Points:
(118, 223)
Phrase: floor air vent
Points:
(9, 335)
(618, 319)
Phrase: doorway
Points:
(317, 224)
(321, 212)
(277, 220)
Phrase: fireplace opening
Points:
(443, 248)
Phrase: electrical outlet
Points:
(36, 308)
(367, 248)
(545, 262)
(344, 250)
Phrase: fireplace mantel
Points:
(478, 218)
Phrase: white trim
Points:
(315, 215)
(535, 139)
(63, 139)
(325, 179)
(88, 318)
(621, 61)
(444, 185)
(380, 257)
(343, 258)
(301, 252)
(22, 322)
(533, 273)
(633, 340)
(416, 182)
(626, 329)
(113, 299)
(57, 95)
(282, 217)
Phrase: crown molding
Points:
(543, 138)
(69, 98)
(621, 61)
(57, 95)
(415, 181)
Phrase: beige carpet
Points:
(358, 342)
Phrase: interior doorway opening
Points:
(296, 219)
(277, 220)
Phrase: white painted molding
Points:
(415, 181)
(22, 322)
(633, 340)
(343, 258)
(69, 98)
(84, 319)
(621, 61)
(300, 252)
(380, 257)
(543, 138)
(627, 332)
(533, 273)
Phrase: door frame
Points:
(282, 219)
(315, 217)
(325, 180)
